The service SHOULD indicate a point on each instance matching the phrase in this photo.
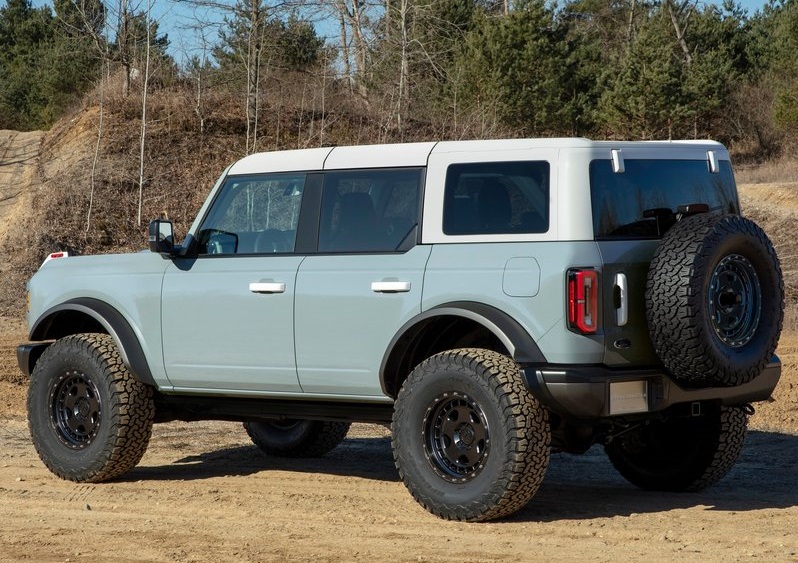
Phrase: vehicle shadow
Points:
(366, 458)
(576, 486)
(588, 486)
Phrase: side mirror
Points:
(161, 238)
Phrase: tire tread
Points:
(525, 460)
(130, 412)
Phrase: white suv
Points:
(493, 300)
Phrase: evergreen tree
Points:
(25, 34)
(46, 62)
(646, 99)
(514, 64)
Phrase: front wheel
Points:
(680, 454)
(90, 421)
(469, 439)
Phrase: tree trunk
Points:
(404, 66)
(681, 28)
(354, 18)
(345, 51)
(144, 112)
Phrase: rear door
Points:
(363, 284)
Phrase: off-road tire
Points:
(680, 454)
(90, 421)
(469, 440)
(297, 438)
(715, 300)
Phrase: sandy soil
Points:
(203, 492)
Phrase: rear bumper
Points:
(595, 392)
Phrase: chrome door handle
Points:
(267, 287)
(390, 286)
(622, 311)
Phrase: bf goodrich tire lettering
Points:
(715, 300)
(90, 421)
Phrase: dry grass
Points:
(775, 208)
(775, 171)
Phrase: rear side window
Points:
(642, 201)
(496, 198)
(370, 210)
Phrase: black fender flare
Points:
(111, 320)
(518, 342)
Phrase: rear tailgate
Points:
(623, 290)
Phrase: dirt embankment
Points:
(19, 181)
(19, 159)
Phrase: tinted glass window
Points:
(253, 215)
(496, 198)
(369, 210)
(642, 201)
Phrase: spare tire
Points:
(715, 300)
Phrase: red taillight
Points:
(583, 301)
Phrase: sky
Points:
(179, 19)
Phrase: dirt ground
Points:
(203, 492)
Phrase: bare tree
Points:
(680, 15)
(89, 19)
(144, 88)
(353, 14)
(96, 158)
(255, 44)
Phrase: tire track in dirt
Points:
(19, 161)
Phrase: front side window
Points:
(496, 198)
(369, 210)
(253, 215)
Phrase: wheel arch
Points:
(92, 315)
(451, 325)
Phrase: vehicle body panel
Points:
(219, 334)
(344, 325)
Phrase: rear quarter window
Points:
(496, 198)
(642, 201)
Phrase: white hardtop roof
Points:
(416, 154)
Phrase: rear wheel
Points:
(89, 419)
(296, 438)
(680, 454)
(469, 439)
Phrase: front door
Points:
(228, 312)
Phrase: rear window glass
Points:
(496, 198)
(642, 201)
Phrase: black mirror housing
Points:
(161, 236)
